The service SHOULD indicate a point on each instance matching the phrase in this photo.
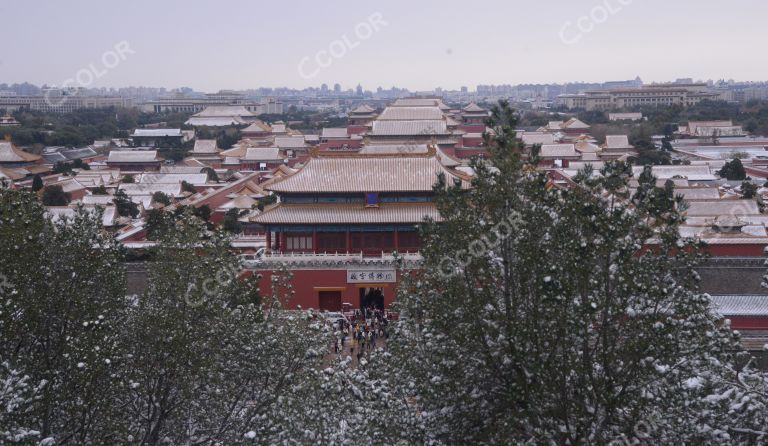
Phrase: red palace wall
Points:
(715, 249)
(449, 150)
(755, 172)
(471, 142)
(77, 195)
(215, 201)
(736, 250)
(477, 128)
(746, 323)
(339, 143)
(469, 152)
(308, 285)
(217, 217)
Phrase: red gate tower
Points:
(340, 218)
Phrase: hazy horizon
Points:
(239, 45)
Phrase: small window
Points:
(371, 200)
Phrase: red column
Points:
(349, 242)
(397, 240)
(269, 240)
(314, 241)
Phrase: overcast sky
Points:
(417, 44)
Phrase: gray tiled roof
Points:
(348, 213)
(223, 111)
(474, 108)
(130, 156)
(334, 132)
(420, 102)
(409, 128)
(10, 154)
(54, 157)
(205, 146)
(363, 109)
(718, 208)
(290, 142)
(558, 151)
(262, 154)
(411, 113)
(156, 132)
(741, 305)
(365, 174)
(83, 152)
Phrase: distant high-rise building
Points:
(324, 88)
(337, 88)
(359, 90)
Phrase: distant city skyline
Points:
(241, 45)
(345, 90)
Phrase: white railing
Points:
(249, 237)
(328, 259)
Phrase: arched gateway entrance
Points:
(372, 298)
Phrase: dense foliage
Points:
(733, 170)
(535, 319)
(202, 357)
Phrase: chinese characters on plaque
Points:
(367, 276)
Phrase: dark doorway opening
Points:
(372, 298)
(329, 300)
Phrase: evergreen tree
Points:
(231, 223)
(207, 363)
(540, 317)
(124, 206)
(54, 195)
(161, 198)
(733, 170)
(646, 149)
(17, 395)
(212, 175)
(188, 187)
(37, 183)
(158, 221)
(748, 189)
(61, 301)
(62, 168)
(666, 144)
(203, 212)
(79, 164)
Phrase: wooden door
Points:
(329, 300)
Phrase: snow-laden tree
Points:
(17, 398)
(62, 292)
(206, 358)
(340, 404)
(549, 315)
(725, 402)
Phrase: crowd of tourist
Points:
(363, 332)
